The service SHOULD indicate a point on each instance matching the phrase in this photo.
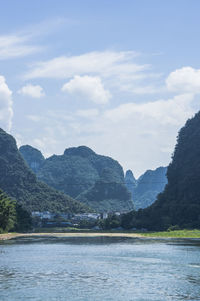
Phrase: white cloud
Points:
(139, 135)
(105, 63)
(172, 111)
(90, 113)
(87, 87)
(40, 143)
(184, 80)
(6, 109)
(15, 46)
(146, 133)
(20, 43)
(24, 41)
(116, 68)
(34, 118)
(34, 91)
(144, 90)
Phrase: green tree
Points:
(23, 219)
(7, 212)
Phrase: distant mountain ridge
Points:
(81, 173)
(19, 182)
(144, 191)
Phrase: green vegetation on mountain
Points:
(179, 204)
(95, 180)
(107, 196)
(20, 183)
(144, 191)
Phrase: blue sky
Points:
(121, 77)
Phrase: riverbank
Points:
(167, 234)
(174, 234)
(73, 234)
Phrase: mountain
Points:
(130, 182)
(32, 156)
(145, 190)
(19, 182)
(107, 194)
(86, 176)
(179, 204)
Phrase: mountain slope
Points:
(130, 182)
(145, 190)
(179, 204)
(32, 156)
(19, 182)
(107, 195)
(78, 171)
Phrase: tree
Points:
(23, 219)
(7, 212)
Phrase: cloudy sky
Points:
(120, 76)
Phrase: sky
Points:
(119, 76)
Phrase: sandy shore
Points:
(14, 235)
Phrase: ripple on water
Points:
(99, 269)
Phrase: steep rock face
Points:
(76, 173)
(19, 182)
(144, 191)
(130, 182)
(32, 156)
(179, 204)
(149, 185)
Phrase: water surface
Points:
(99, 269)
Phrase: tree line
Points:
(12, 216)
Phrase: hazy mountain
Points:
(145, 190)
(130, 182)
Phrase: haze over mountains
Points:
(145, 190)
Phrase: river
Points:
(99, 269)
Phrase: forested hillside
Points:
(95, 180)
(20, 183)
(179, 204)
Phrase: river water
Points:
(99, 269)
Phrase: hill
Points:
(144, 191)
(32, 156)
(19, 182)
(107, 195)
(179, 204)
(130, 182)
(86, 176)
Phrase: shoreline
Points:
(155, 236)
(8, 236)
